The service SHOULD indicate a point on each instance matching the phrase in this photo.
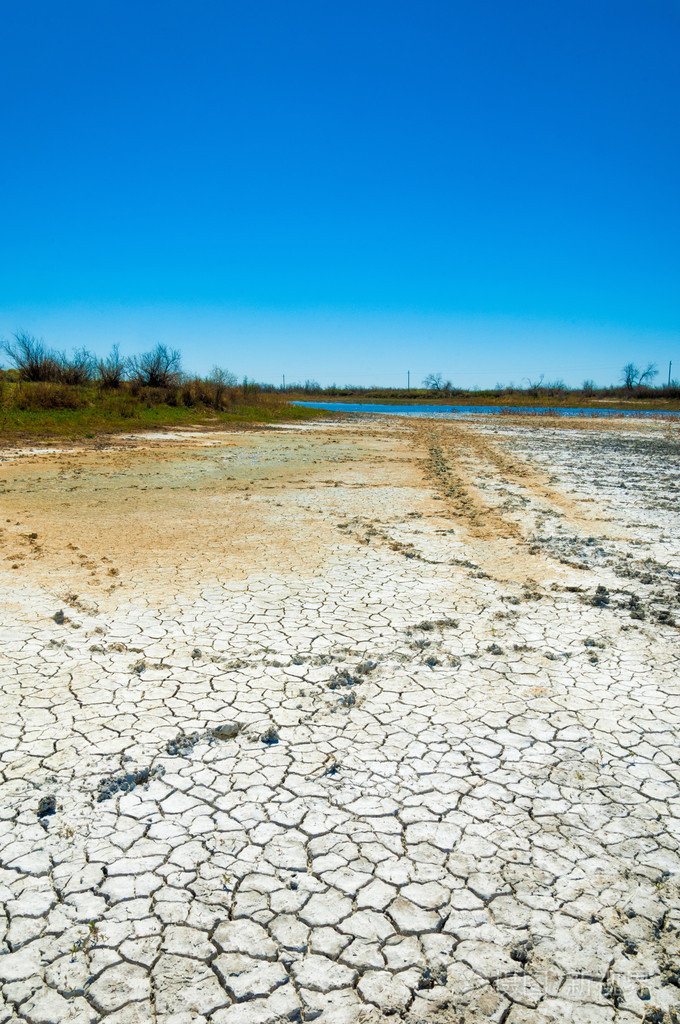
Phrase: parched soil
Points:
(364, 721)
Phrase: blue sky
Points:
(346, 191)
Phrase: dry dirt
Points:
(370, 719)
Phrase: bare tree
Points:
(159, 368)
(79, 369)
(218, 375)
(111, 371)
(221, 380)
(629, 375)
(434, 381)
(632, 376)
(32, 358)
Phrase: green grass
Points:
(122, 413)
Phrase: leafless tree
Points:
(161, 367)
(111, 371)
(632, 376)
(79, 369)
(32, 358)
(434, 381)
(221, 379)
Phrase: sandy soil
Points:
(362, 720)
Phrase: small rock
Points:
(601, 598)
(59, 617)
(521, 953)
(612, 990)
(432, 976)
(270, 737)
(226, 731)
(182, 745)
(47, 805)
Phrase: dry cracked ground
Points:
(358, 722)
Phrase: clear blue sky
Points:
(346, 190)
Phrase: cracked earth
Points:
(359, 722)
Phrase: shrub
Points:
(32, 358)
(159, 368)
(223, 383)
(111, 371)
(48, 396)
(218, 391)
(249, 388)
(152, 396)
(79, 369)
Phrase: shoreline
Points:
(515, 399)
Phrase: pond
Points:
(455, 411)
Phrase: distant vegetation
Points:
(634, 390)
(47, 393)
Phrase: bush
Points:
(79, 369)
(223, 383)
(218, 391)
(154, 396)
(48, 396)
(111, 371)
(159, 368)
(32, 358)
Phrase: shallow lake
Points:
(454, 411)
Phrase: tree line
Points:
(160, 368)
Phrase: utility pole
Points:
(284, 382)
(669, 372)
(408, 377)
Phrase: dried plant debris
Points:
(111, 787)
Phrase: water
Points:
(456, 411)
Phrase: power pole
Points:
(284, 382)
(408, 377)
(669, 372)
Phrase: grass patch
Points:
(44, 411)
